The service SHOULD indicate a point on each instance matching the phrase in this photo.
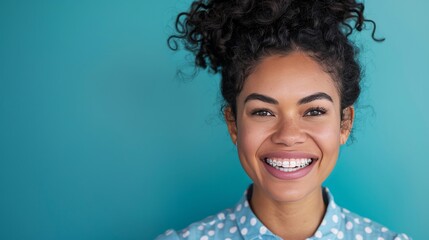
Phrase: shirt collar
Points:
(251, 228)
(333, 218)
(248, 224)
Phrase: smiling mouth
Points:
(289, 165)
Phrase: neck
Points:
(290, 220)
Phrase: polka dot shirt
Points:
(241, 223)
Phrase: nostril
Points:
(288, 136)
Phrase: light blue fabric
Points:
(241, 223)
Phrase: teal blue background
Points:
(99, 139)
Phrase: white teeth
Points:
(289, 165)
(285, 164)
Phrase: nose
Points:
(288, 133)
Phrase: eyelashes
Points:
(317, 111)
(314, 111)
(261, 112)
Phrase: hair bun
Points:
(212, 30)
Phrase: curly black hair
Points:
(232, 36)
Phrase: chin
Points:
(289, 192)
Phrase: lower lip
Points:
(289, 175)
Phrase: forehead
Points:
(292, 75)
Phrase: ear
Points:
(231, 124)
(346, 123)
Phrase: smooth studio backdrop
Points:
(100, 139)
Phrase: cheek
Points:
(327, 139)
(251, 135)
(326, 135)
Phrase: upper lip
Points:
(289, 155)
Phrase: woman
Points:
(290, 77)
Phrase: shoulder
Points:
(170, 234)
(359, 227)
(220, 224)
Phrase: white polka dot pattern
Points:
(233, 229)
(240, 221)
(238, 208)
(243, 219)
(253, 221)
(368, 230)
(220, 225)
(349, 225)
(335, 218)
(169, 232)
(340, 235)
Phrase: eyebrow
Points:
(312, 97)
(316, 96)
(260, 97)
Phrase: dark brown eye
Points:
(315, 111)
(262, 113)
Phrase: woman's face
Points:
(287, 126)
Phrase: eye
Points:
(262, 113)
(315, 111)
